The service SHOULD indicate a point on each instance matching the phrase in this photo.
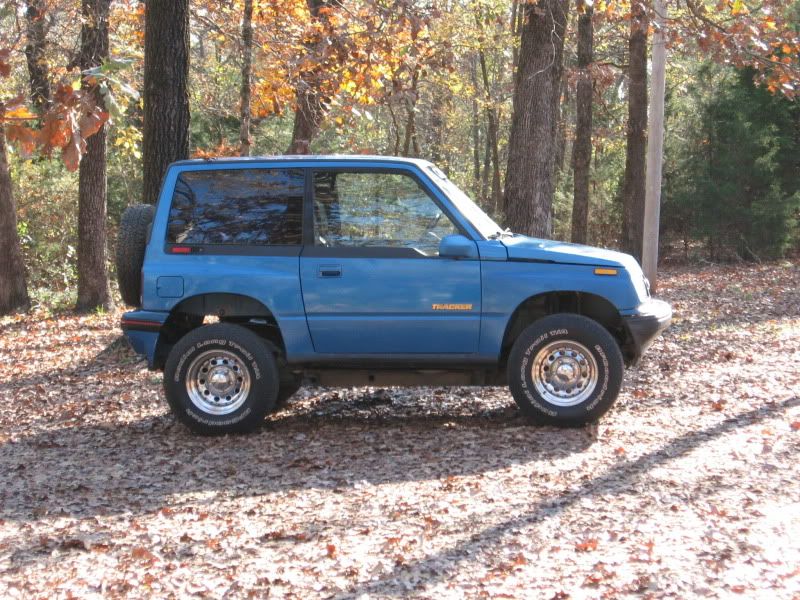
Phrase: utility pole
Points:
(655, 148)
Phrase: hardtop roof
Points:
(319, 158)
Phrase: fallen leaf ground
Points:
(689, 487)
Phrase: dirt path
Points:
(689, 487)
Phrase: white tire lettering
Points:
(246, 354)
(604, 388)
(535, 402)
(231, 421)
(182, 360)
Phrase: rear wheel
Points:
(289, 381)
(565, 370)
(221, 378)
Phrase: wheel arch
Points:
(194, 311)
(222, 305)
(590, 305)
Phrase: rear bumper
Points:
(143, 328)
(645, 323)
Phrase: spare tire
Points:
(131, 241)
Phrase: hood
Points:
(521, 247)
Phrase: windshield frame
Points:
(466, 206)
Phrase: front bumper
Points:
(644, 324)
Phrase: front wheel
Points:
(221, 378)
(565, 370)
(288, 389)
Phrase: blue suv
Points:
(253, 276)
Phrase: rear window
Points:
(250, 207)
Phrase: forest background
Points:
(537, 109)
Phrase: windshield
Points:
(471, 211)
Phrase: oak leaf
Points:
(142, 554)
(26, 137)
(588, 545)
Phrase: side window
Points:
(250, 207)
(376, 209)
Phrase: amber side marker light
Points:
(605, 271)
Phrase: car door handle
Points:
(330, 271)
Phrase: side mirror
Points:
(457, 246)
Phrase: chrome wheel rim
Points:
(564, 373)
(217, 382)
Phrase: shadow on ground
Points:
(138, 467)
(621, 477)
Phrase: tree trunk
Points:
(487, 165)
(38, 69)
(514, 27)
(437, 131)
(92, 185)
(410, 143)
(528, 200)
(492, 129)
(247, 67)
(475, 130)
(310, 110)
(655, 149)
(13, 288)
(476, 143)
(562, 103)
(582, 147)
(396, 128)
(307, 119)
(166, 94)
(636, 147)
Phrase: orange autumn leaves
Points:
(762, 36)
(72, 117)
(354, 54)
(742, 33)
(68, 115)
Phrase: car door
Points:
(373, 282)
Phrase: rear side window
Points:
(250, 207)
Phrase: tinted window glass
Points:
(377, 209)
(237, 206)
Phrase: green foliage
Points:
(47, 199)
(47, 221)
(124, 168)
(734, 180)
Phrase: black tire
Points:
(288, 388)
(131, 241)
(251, 365)
(289, 382)
(578, 347)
